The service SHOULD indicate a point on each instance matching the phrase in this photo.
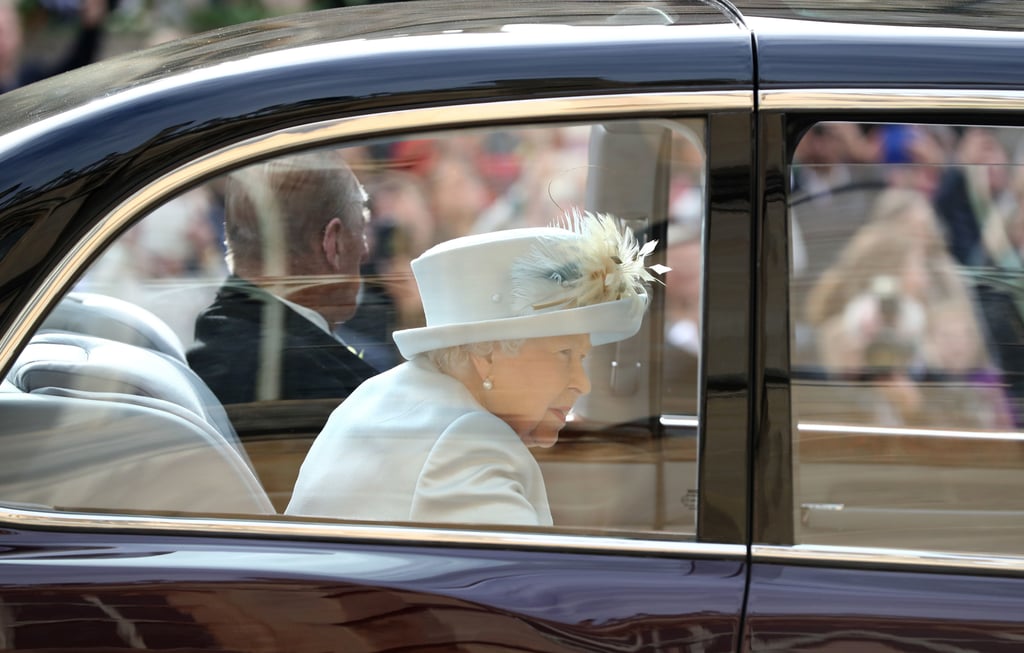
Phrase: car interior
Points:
(109, 417)
(95, 423)
(905, 348)
(902, 438)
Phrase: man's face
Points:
(326, 278)
(333, 280)
(343, 298)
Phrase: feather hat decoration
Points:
(583, 275)
(603, 263)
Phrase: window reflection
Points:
(613, 467)
(905, 320)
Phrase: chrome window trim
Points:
(861, 557)
(883, 99)
(661, 105)
(305, 529)
(467, 115)
(901, 431)
(679, 421)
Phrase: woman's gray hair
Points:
(454, 358)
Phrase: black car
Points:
(814, 442)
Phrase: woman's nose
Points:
(580, 381)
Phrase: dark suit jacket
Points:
(232, 348)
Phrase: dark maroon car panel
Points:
(815, 443)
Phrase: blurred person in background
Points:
(914, 157)
(826, 154)
(1005, 239)
(958, 359)
(526, 195)
(899, 251)
(456, 190)
(829, 197)
(894, 317)
(973, 195)
(164, 262)
(16, 70)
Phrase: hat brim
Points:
(605, 322)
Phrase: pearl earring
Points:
(488, 384)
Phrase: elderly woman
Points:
(444, 437)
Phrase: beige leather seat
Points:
(93, 314)
(71, 363)
(106, 455)
(97, 424)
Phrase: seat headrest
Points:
(114, 319)
(78, 362)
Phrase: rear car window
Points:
(906, 334)
(222, 331)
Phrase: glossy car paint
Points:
(881, 610)
(892, 601)
(851, 56)
(131, 120)
(126, 592)
(70, 159)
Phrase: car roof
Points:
(351, 24)
(425, 17)
(1005, 15)
(238, 43)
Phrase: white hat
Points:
(586, 276)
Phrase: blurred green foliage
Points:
(146, 14)
(222, 14)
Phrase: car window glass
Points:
(200, 356)
(906, 330)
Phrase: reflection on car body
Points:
(813, 440)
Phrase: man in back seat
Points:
(295, 234)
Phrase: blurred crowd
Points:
(41, 32)
(422, 191)
(890, 221)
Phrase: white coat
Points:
(412, 444)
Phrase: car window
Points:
(906, 332)
(210, 345)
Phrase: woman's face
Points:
(534, 389)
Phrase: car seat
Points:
(95, 423)
(76, 453)
(114, 319)
(67, 362)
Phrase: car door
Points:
(887, 513)
(140, 511)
